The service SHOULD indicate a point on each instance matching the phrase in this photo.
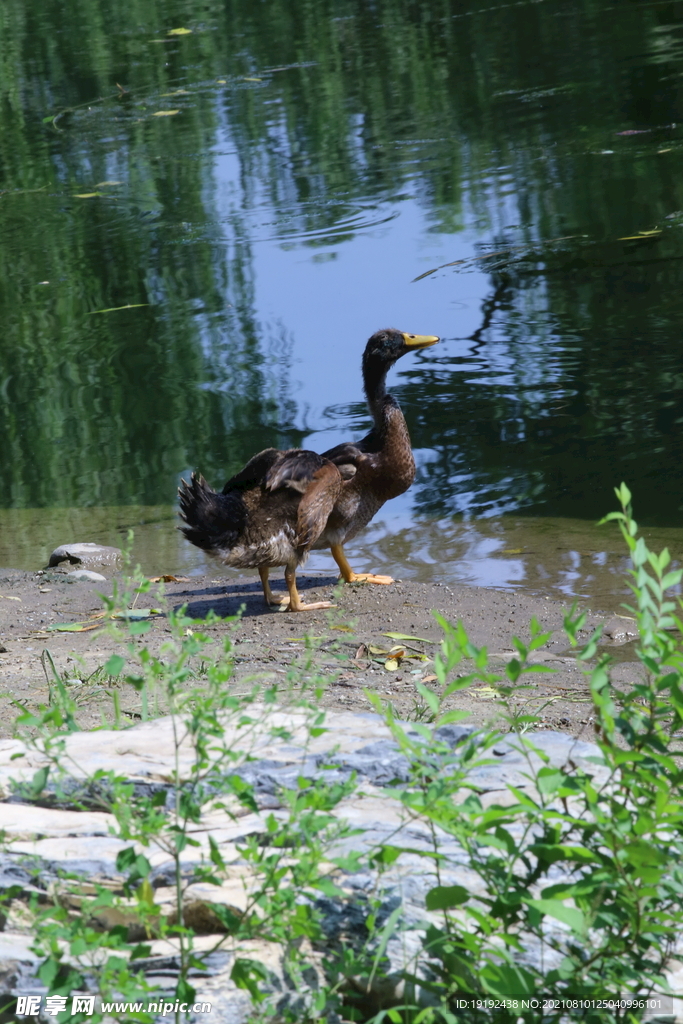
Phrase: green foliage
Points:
(580, 885)
(106, 932)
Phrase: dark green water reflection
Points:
(260, 191)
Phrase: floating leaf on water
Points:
(176, 92)
(115, 309)
(252, 79)
(667, 150)
(221, 81)
(179, 32)
(86, 195)
(512, 551)
(640, 237)
(103, 184)
(405, 636)
(165, 113)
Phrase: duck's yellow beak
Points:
(420, 340)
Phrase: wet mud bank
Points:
(349, 644)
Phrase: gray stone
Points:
(620, 629)
(380, 763)
(85, 554)
(87, 574)
(558, 747)
(452, 735)
(18, 964)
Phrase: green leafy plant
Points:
(101, 933)
(580, 882)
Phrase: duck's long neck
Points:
(375, 387)
(389, 438)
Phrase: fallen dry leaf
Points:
(168, 578)
(485, 692)
(405, 636)
(72, 627)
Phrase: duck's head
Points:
(385, 347)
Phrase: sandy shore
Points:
(348, 640)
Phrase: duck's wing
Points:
(316, 504)
(255, 471)
(294, 469)
(349, 456)
(318, 481)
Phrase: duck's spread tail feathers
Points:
(213, 521)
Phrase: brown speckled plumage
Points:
(283, 504)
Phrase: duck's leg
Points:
(267, 592)
(295, 602)
(348, 575)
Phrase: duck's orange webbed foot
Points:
(295, 602)
(270, 597)
(313, 606)
(347, 573)
(369, 577)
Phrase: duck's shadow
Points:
(226, 599)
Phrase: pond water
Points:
(205, 212)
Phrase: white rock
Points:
(87, 574)
(30, 822)
(85, 554)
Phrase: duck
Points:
(284, 504)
